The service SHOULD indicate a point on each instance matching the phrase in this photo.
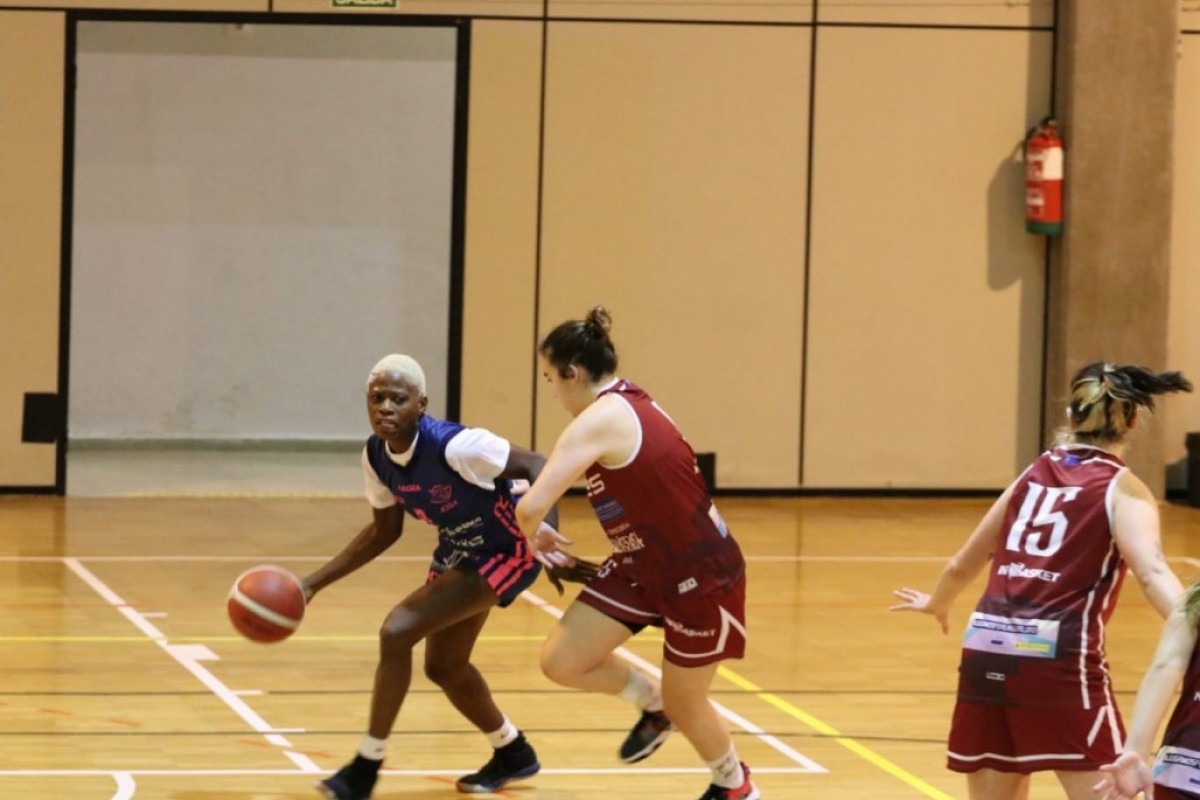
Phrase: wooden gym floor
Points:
(121, 678)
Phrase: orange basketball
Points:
(266, 604)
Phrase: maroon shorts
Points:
(699, 628)
(1025, 740)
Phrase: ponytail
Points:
(1105, 398)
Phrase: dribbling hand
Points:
(918, 601)
(1125, 777)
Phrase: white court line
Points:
(412, 773)
(190, 656)
(783, 559)
(126, 786)
(743, 723)
(425, 559)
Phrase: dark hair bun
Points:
(599, 320)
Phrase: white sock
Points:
(727, 770)
(643, 691)
(506, 734)
(372, 748)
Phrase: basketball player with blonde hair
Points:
(457, 479)
(1034, 691)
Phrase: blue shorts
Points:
(508, 574)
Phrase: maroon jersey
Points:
(665, 531)
(1037, 634)
(1178, 764)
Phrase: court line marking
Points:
(189, 657)
(425, 559)
(822, 727)
(297, 639)
(412, 773)
(743, 723)
(126, 786)
(782, 559)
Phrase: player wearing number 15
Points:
(1033, 691)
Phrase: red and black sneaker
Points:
(747, 791)
(647, 736)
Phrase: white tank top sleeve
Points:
(478, 455)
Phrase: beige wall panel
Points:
(31, 104)
(674, 194)
(1010, 13)
(1182, 415)
(732, 11)
(466, 8)
(925, 293)
(501, 252)
(155, 5)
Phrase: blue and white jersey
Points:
(448, 479)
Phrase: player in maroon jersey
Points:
(1176, 772)
(674, 562)
(1033, 691)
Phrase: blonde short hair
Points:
(404, 366)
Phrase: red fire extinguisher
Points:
(1044, 179)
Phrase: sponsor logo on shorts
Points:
(408, 488)
(688, 585)
(628, 543)
(1006, 625)
(994, 676)
(1022, 571)
(689, 632)
(1180, 758)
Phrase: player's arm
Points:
(528, 465)
(383, 531)
(1136, 531)
(962, 568)
(592, 436)
(386, 526)
(1130, 773)
(1175, 647)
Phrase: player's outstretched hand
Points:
(547, 547)
(581, 571)
(1124, 778)
(918, 601)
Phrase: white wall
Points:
(260, 213)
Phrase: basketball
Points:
(266, 604)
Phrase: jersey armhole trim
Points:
(1109, 494)
(637, 447)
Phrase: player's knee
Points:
(555, 666)
(445, 673)
(397, 637)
